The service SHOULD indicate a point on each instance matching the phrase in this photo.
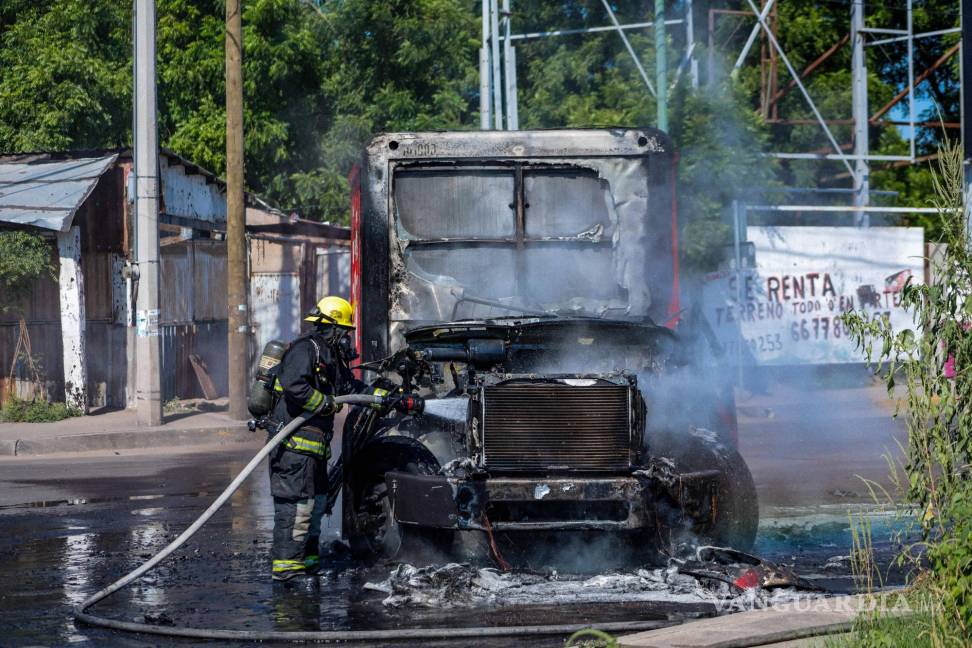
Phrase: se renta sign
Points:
(785, 310)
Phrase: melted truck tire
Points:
(735, 517)
(382, 537)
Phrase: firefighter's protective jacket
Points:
(309, 370)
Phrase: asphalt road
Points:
(69, 525)
(810, 442)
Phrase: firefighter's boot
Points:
(312, 557)
(285, 570)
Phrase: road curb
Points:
(782, 623)
(126, 440)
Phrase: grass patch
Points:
(885, 632)
(36, 411)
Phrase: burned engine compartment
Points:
(513, 447)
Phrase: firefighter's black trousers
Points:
(298, 484)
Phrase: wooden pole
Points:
(236, 270)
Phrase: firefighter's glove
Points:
(410, 404)
(327, 405)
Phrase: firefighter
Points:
(311, 373)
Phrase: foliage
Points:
(388, 66)
(886, 632)
(283, 72)
(24, 257)
(950, 560)
(16, 410)
(720, 146)
(65, 74)
(320, 78)
(591, 638)
(935, 360)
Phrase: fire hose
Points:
(82, 615)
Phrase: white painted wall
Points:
(71, 291)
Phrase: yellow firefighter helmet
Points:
(332, 310)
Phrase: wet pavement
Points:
(69, 526)
(812, 439)
(90, 526)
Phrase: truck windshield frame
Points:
(532, 222)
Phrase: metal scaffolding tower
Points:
(860, 37)
(498, 85)
(497, 72)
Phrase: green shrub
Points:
(36, 411)
(933, 365)
(950, 557)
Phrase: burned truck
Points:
(527, 284)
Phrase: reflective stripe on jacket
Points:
(308, 446)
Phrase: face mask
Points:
(346, 348)
(339, 340)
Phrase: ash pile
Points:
(730, 580)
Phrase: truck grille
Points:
(531, 427)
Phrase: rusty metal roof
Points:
(47, 193)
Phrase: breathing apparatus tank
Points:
(260, 399)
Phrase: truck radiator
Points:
(552, 427)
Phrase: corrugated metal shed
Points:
(48, 193)
(92, 190)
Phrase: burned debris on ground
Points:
(727, 579)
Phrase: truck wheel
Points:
(735, 517)
(369, 524)
(375, 534)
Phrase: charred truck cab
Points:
(523, 280)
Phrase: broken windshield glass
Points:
(480, 242)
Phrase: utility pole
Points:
(966, 112)
(860, 113)
(148, 382)
(236, 270)
(661, 66)
(509, 72)
(485, 84)
(495, 54)
(690, 44)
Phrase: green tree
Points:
(389, 66)
(24, 258)
(721, 145)
(66, 82)
(284, 107)
(65, 74)
(322, 77)
(806, 31)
